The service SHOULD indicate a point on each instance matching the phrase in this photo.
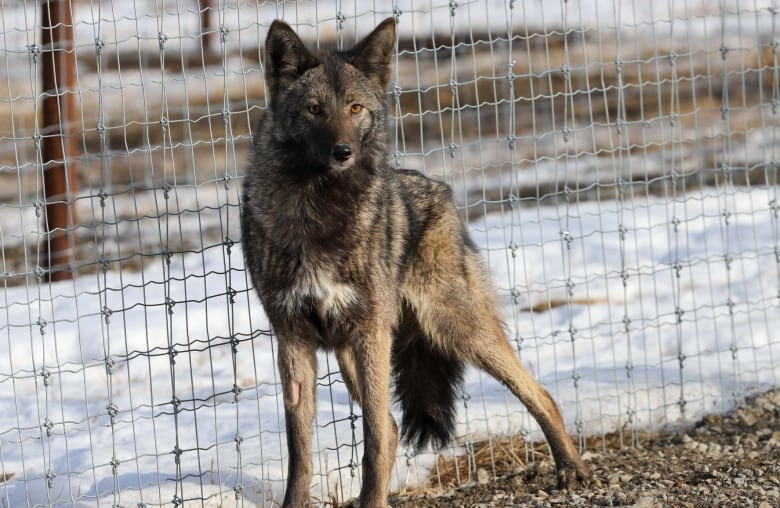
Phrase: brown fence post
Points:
(206, 13)
(59, 109)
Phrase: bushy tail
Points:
(427, 383)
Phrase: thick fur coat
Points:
(352, 255)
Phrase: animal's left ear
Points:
(373, 54)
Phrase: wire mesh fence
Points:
(616, 162)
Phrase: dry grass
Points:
(501, 457)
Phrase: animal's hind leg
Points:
(346, 359)
(494, 355)
(455, 304)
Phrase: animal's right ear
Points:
(286, 57)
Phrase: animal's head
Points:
(329, 106)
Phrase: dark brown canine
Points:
(352, 255)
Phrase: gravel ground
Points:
(723, 460)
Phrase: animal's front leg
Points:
(347, 364)
(372, 361)
(297, 361)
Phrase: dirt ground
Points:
(721, 461)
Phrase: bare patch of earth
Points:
(728, 460)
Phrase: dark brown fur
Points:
(351, 255)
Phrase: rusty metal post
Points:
(59, 108)
(207, 37)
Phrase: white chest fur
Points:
(323, 289)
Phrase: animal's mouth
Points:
(340, 165)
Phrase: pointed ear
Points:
(286, 57)
(373, 54)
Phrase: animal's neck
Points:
(324, 211)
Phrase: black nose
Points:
(341, 152)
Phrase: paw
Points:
(356, 503)
(575, 475)
(297, 501)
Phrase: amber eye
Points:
(355, 109)
(315, 109)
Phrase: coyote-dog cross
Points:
(352, 255)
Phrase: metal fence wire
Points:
(616, 162)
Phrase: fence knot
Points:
(48, 425)
(465, 397)
(109, 365)
(41, 325)
(112, 410)
(172, 352)
(340, 19)
(567, 237)
(106, 311)
(515, 293)
(35, 52)
(170, 303)
(622, 230)
(177, 454)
